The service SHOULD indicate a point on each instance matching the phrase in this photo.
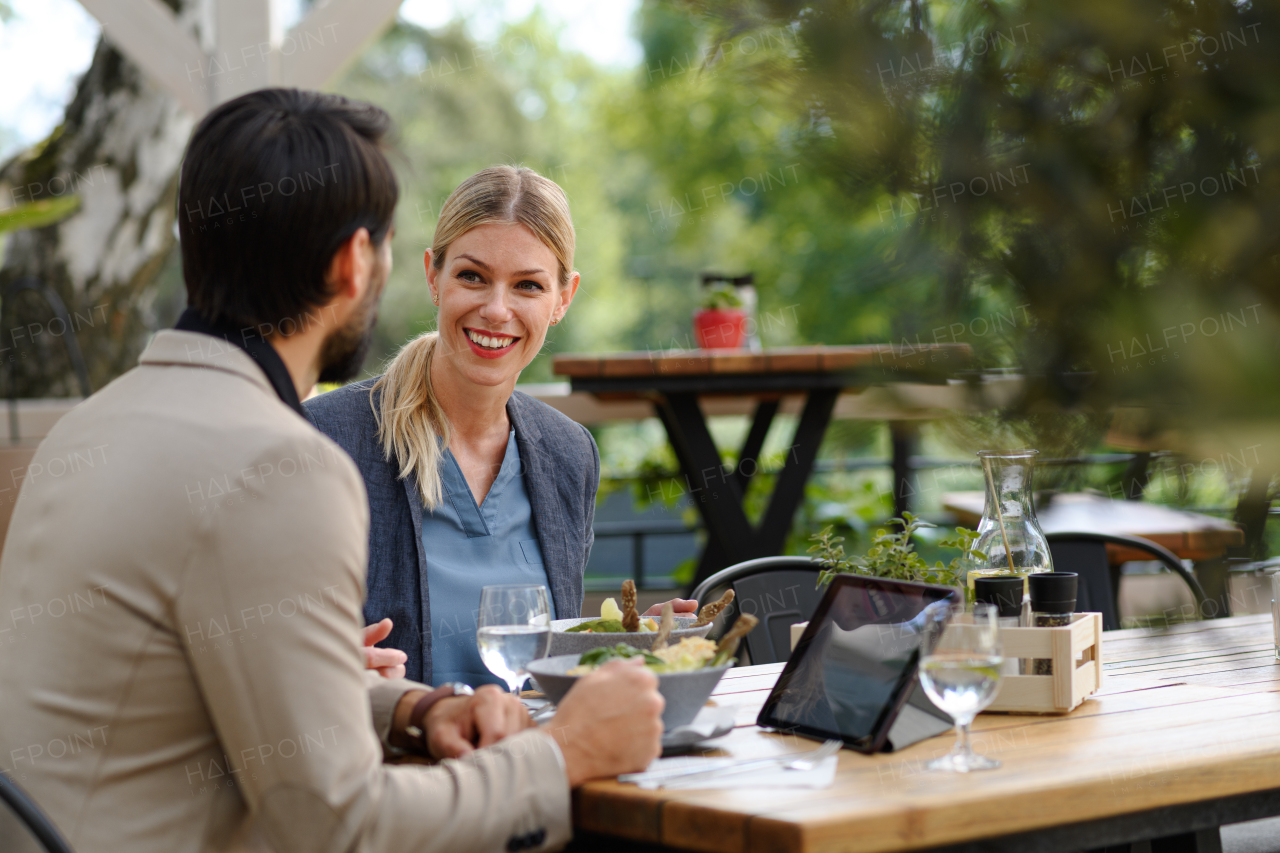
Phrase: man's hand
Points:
(610, 722)
(461, 724)
(679, 605)
(388, 662)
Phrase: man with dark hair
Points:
(181, 606)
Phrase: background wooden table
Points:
(1184, 736)
(1189, 535)
(675, 381)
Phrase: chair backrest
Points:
(23, 827)
(1099, 586)
(1086, 554)
(779, 591)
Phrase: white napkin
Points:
(820, 776)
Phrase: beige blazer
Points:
(180, 617)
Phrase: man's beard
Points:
(344, 350)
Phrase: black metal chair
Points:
(780, 591)
(1086, 555)
(20, 811)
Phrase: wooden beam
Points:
(245, 56)
(147, 32)
(329, 38)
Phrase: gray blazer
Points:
(561, 473)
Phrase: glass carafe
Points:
(1009, 534)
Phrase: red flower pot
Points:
(720, 328)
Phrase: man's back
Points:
(181, 592)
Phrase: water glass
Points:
(514, 628)
(961, 674)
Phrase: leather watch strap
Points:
(416, 729)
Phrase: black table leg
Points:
(1251, 513)
(789, 490)
(904, 437)
(749, 458)
(711, 488)
(1133, 482)
(1215, 579)
(1201, 841)
(718, 494)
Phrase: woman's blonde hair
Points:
(412, 427)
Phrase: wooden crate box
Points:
(1076, 652)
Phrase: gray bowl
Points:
(685, 692)
(564, 643)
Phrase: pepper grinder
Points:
(1005, 592)
(1053, 601)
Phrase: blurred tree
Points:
(118, 148)
(1103, 165)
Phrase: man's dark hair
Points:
(272, 184)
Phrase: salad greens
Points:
(598, 626)
(604, 654)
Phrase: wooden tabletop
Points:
(1189, 535)
(1187, 714)
(810, 359)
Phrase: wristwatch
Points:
(416, 729)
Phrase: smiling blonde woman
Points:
(471, 482)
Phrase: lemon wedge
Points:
(609, 610)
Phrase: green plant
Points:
(893, 555)
(37, 214)
(720, 297)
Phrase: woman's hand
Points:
(388, 662)
(679, 605)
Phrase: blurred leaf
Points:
(37, 214)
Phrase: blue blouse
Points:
(469, 547)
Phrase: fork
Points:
(805, 761)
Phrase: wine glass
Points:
(514, 629)
(961, 675)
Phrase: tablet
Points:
(854, 668)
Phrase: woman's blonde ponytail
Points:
(411, 425)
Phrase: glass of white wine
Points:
(961, 674)
(514, 629)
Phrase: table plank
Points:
(1153, 737)
(1052, 773)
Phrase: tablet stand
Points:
(919, 719)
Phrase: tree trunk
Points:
(118, 148)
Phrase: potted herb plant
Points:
(891, 555)
(720, 321)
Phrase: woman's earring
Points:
(435, 299)
(555, 320)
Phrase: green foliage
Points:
(602, 655)
(598, 626)
(893, 555)
(37, 214)
(1111, 165)
(720, 297)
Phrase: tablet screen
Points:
(856, 661)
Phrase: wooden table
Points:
(1189, 535)
(1184, 737)
(673, 381)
